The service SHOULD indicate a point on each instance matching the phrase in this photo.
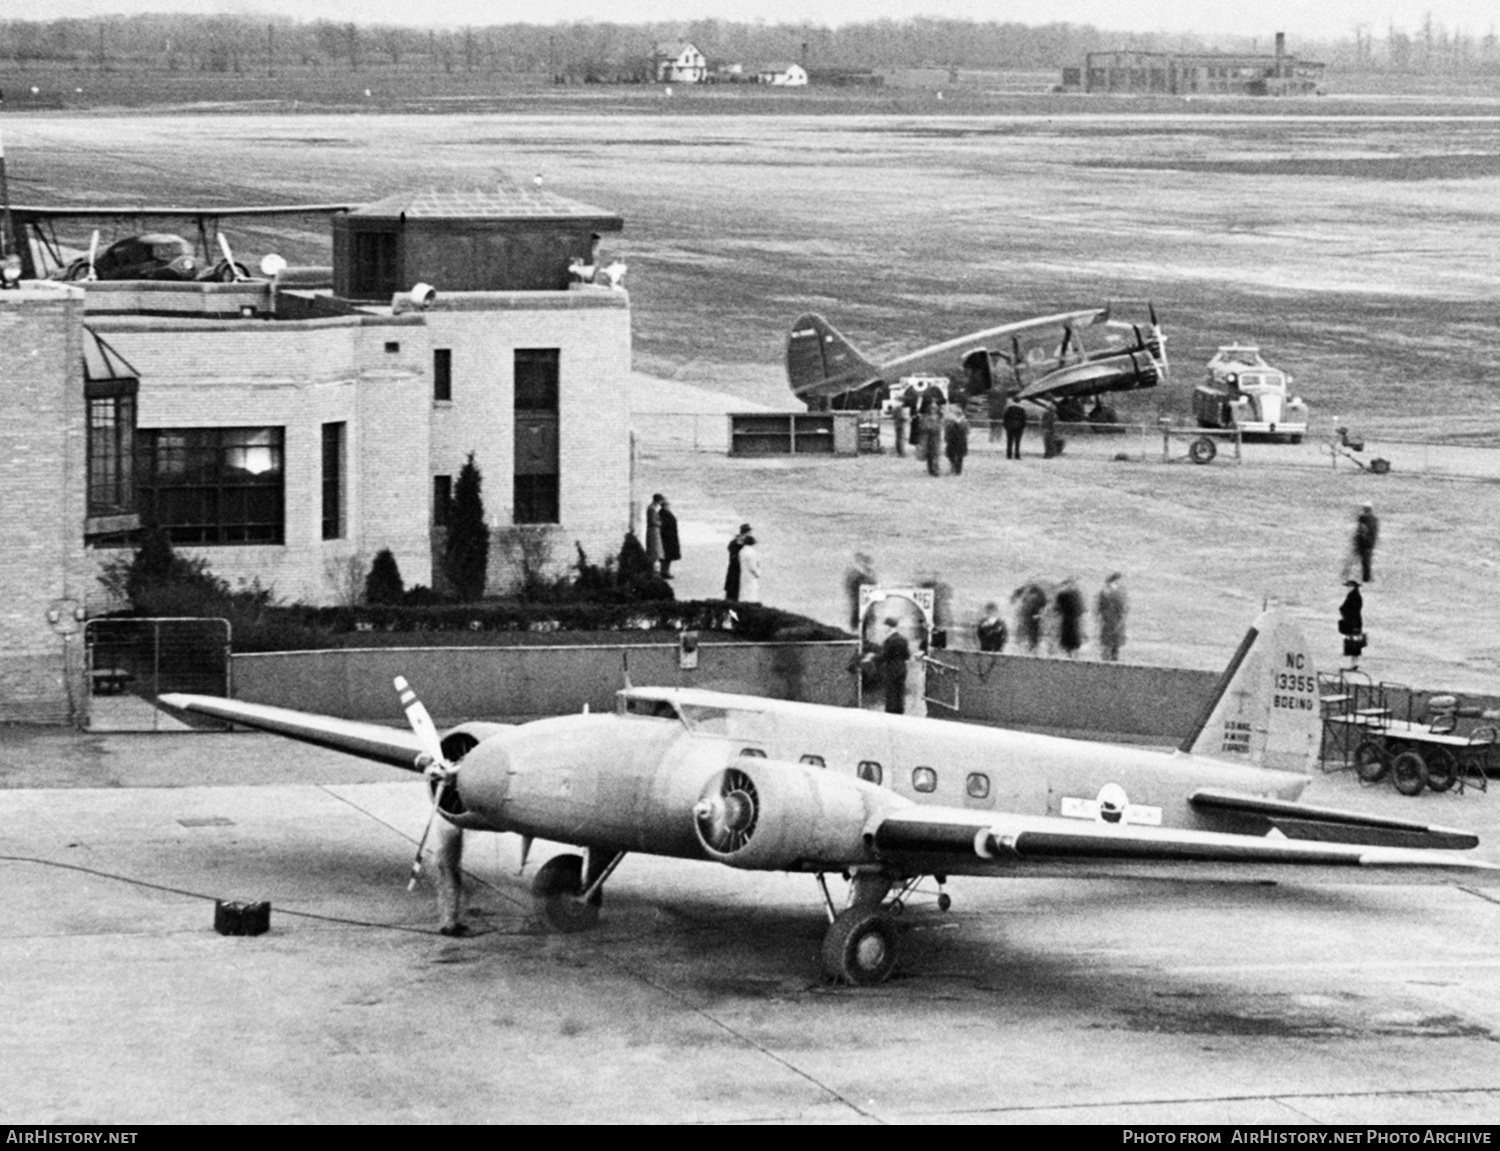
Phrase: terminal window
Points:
(212, 485)
(111, 466)
(442, 375)
(334, 454)
(536, 474)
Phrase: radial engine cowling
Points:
(775, 816)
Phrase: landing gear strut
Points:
(862, 942)
(571, 891)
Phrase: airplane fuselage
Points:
(631, 781)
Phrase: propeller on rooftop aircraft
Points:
(92, 274)
(434, 764)
(229, 272)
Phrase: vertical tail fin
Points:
(1265, 708)
(820, 362)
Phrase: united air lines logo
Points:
(1111, 805)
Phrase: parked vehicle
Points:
(1243, 391)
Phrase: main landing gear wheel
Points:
(1202, 450)
(1371, 761)
(1409, 773)
(860, 947)
(558, 884)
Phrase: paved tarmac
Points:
(698, 999)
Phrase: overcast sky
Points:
(1321, 19)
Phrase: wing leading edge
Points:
(398, 747)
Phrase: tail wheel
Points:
(1202, 450)
(1442, 769)
(1371, 761)
(558, 884)
(860, 947)
(1409, 773)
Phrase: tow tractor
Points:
(1243, 391)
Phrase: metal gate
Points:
(941, 687)
(129, 662)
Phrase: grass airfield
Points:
(1344, 235)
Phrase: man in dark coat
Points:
(991, 630)
(1030, 600)
(732, 576)
(1014, 420)
(1366, 532)
(956, 438)
(1352, 622)
(671, 550)
(1069, 605)
(892, 659)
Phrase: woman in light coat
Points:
(749, 572)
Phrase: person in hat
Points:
(732, 575)
(671, 546)
(892, 658)
(1352, 623)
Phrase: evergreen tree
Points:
(384, 584)
(467, 555)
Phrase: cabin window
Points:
(752, 753)
(655, 708)
(814, 760)
(978, 785)
(924, 779)
(870, 771)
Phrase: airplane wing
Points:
(28, 212)
(934, 838)
(398, 747)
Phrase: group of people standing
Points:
(936, 428)
(1055, 615)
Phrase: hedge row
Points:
(303, 628)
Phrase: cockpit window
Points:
(702, 720)
(656, 708)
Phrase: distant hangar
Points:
(1196, 73)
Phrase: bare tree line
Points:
(588, 50)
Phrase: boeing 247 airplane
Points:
(886, 799)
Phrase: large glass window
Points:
(111, 447)
(212, 485)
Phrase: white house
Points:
(783, 75)
(678, 62)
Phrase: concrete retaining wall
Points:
(471, 682)
(1115, 700)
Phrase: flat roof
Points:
(502, 202)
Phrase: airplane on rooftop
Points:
(888, 800)
(1053, 360)
(145, 255)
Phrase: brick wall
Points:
(42, 566)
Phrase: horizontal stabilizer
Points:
(398, 747)
(1300, 821)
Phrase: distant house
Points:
(783, 75)
(678, 62)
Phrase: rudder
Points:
(1265, 709)
(821, 362)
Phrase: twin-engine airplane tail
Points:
(820, 362)
(1265, 710)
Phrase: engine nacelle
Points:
(775, 816)
(480, 786)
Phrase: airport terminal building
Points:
(287, 433)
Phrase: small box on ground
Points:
(232, 918)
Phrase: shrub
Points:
(384, 584)
(466, 557)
